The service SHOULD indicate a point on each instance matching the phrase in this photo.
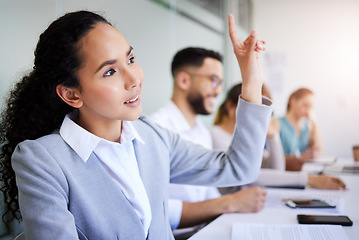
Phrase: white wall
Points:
(155, 32)
(317, 42)
(310, 43)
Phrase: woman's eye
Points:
(109, 73)
(131, 60)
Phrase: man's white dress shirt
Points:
(172, 118)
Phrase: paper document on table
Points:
(242, 231)
(325, 160)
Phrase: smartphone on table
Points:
(324, 219)
(308, 203)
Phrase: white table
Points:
(221, 227)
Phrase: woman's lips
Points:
(132, 100)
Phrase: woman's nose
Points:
(132, 80)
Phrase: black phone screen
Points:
(324, 219)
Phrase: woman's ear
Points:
(183, 80)
(70, 96)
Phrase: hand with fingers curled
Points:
(247, 54)
(247, 200)
(326, 182)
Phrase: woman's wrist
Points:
(252, 93)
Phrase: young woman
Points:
(78, 160)
(299, 132)
(273, 165)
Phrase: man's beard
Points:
(197, 103)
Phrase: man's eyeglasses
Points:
(216, 81)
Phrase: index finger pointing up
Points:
(233, 32)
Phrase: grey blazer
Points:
(61, 197)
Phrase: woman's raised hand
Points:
(247, 54)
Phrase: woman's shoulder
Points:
(281, 119)
(217, 131)
(145, 123)
(215, 128)
(46, 139)
(151, 131)
(284, 123)
(275, 121)
(51, 142)
(221, 139)
(43, 149)
(51, 139)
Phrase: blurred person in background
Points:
(273, 166)
(197, 81)
(299, 131)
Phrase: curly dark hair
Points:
(33, 107)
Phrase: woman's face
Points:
(110, 78)
(303, 106)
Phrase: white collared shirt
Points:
(172, 118)
(118, 159)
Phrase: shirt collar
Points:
(83, 142)
(181, 122)
(129, 132)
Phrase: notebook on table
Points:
(349, 168)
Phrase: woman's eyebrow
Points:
(112, 61)
(108, 62)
